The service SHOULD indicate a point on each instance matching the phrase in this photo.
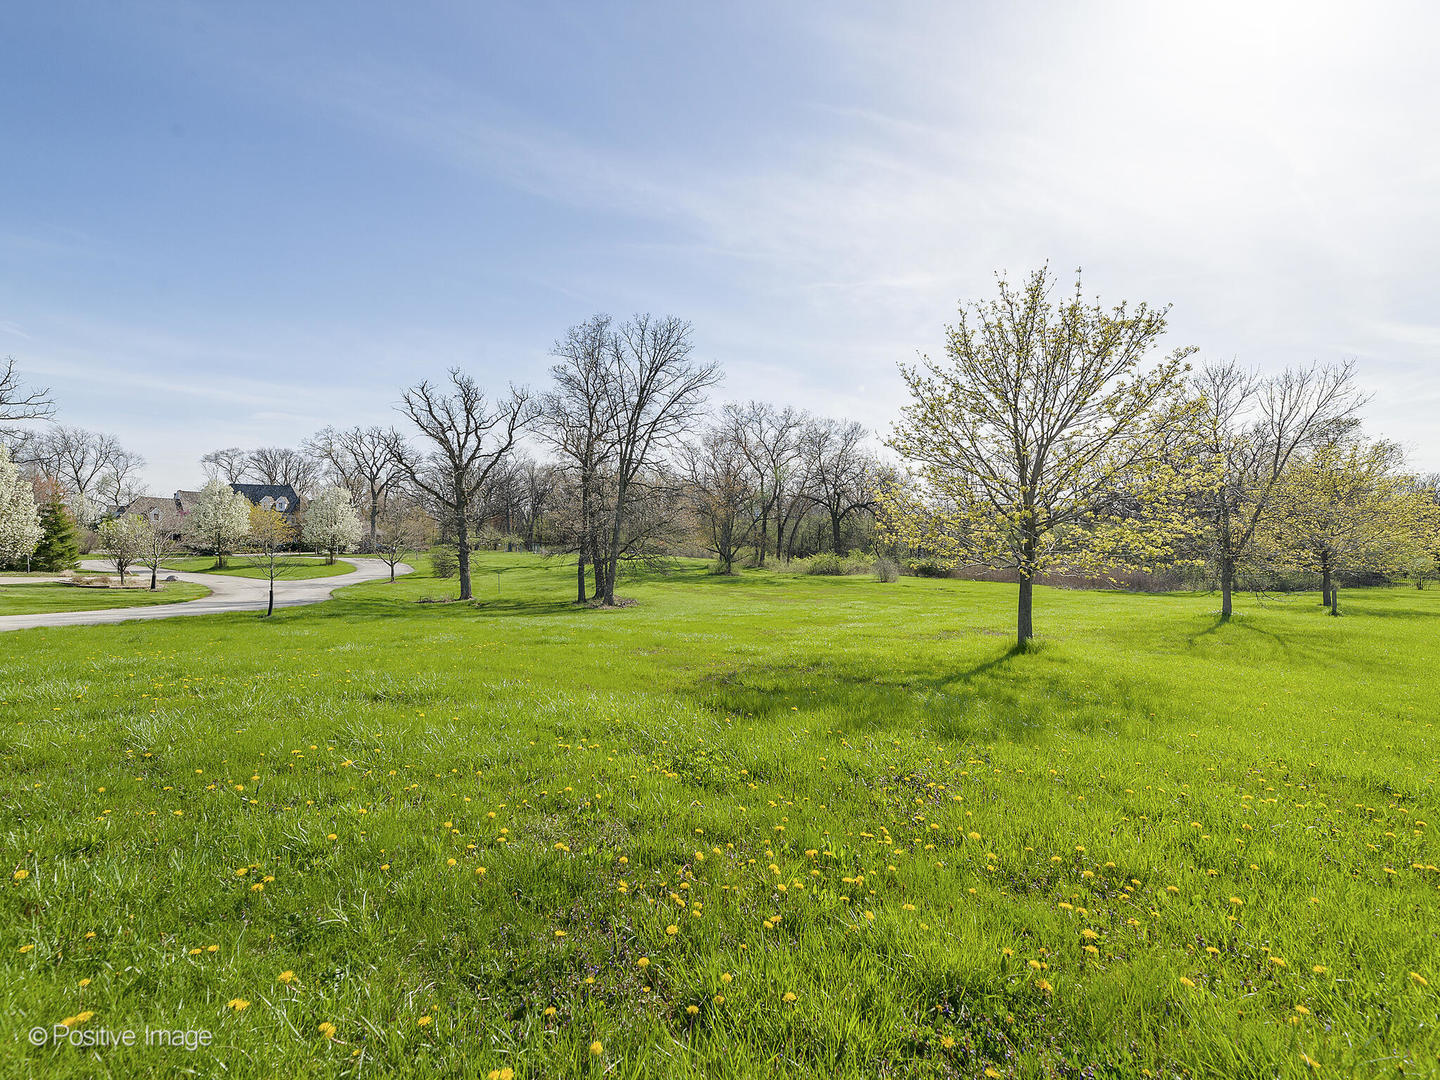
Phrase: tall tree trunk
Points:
(1024, 623)
(1334, 598)
(612, 556)
(1227, 586)
(835, 531)
(462, 547)
(154, 577)
(1325, 585)
(270, 608)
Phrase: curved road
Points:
(226, 594)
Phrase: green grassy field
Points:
(771, 825)
(295, 568)
(44, 597)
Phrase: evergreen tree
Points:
(58, 549)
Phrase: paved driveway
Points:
(226, 594)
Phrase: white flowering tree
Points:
(20, 528)
(124, 539)
(220, 520)
(331, 523)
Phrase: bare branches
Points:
(19, 403)
(467, 436)
(1250, 429)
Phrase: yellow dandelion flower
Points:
(285, 977)
(1419, 979)
(692, 1009)
(237, 1004)
(326, 1029)
(789, 996)
(597, 1048)
(1187, 982)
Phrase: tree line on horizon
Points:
(1050, 440)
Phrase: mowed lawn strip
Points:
(756, 826)
(295, 569)
(46, 597)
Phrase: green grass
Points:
(221, 800)
(44, 597)
(296, 568)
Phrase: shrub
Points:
(886, 569)
(926, 568)
(826, 564)
(444, 562)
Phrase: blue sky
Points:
(234, 223)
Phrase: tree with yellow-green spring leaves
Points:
(1050, 439)
(1348, 506)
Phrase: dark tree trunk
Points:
(462, 548)
(154, 577)
(1325, 583)
(835, 531)
(1024, 624)
(1227, 587)
(270, 609)
(1334, 599)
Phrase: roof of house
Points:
(274, 492)
(255, 493)
(147, 503)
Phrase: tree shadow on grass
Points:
(1238, 623)
(998, 695)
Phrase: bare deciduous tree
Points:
(361, 461)
(652, 391)
(401, 530)
(573, 424)
(78, 458)
(770, 440)
(468, 435)
(18, 402)
(838, 471)
(1249, 430)
(725, 491)
(228, 464)
(282, 465)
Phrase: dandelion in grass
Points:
(327, 1030)
(597, 1048)
(238, 1004)
(789, 997)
